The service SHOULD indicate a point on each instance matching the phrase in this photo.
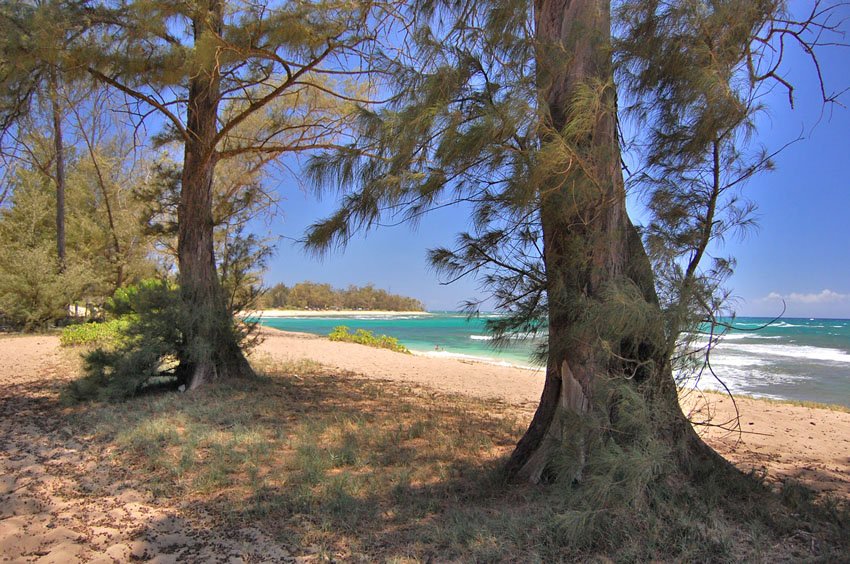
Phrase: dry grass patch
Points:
(345, 464)
(369, 470)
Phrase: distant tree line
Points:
(310, 295)
(103, 244)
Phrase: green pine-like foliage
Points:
(35, 291)
(148, 319)
(364, 337)
(141, 346)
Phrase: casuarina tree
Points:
(512, 108)
(224, 80)
(35, 76)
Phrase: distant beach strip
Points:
(340, 313)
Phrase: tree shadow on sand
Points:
(302, 462)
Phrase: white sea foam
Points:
(742, 380)
(481, 337)
(719, 341)
(719, 359)
(793, 351)
(785, 324)
(514, 336)
(739, 336)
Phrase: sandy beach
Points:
(451, 375)
(47, 516)
(783, 440)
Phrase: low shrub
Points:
(364, 337)
(150, 350)
(104, 334)
(147, 339)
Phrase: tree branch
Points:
(144, 98)
(262, 102)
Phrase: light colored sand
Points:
(514, 385)
(57, 503)
(786, 441)
(329, 313)
(806, 444)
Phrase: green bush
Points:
(34, 293)
(364, 337)
(146, 342)
(129, 299)
(151, 348)
(105, 334)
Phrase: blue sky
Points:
(800, 251)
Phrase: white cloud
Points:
(825, 296)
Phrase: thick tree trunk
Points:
(212, 349)
(593, 257)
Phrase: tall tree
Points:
(59, 156)
(515, 110)
(227, 80)
(33, 72)
(33, 292)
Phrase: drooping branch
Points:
(276, 149)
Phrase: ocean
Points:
(791, 359)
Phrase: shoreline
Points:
(472, 359)
(440, 372)
(484, 361)
(527, 365)
(806, 443)
(470, 351)
(273, 313)
(441, 353)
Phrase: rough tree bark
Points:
(590, 247)
(213, 351)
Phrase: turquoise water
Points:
(798, 359)
(440, 334)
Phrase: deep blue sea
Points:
(796, 359)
